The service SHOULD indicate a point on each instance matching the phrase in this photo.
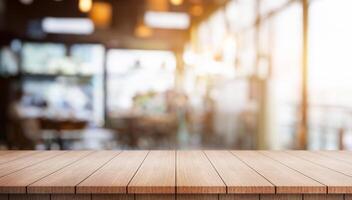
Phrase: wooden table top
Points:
(181, 172)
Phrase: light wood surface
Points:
(335, 181)
(338, 155)
(285, 179)
(115, 175)
(23, 162)
(8, 156)
(18, 181)
(170, 175)
(156, 174)
(238, 177)
(65, 180)
(328, 162)
(195, 174)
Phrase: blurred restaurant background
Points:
(167, 74)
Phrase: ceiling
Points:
(24, 21)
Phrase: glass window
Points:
(330, 91)
(285, 96)
(46, 58)
(267, 6)
(132, 72)
(89, 58)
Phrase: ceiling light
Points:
(85, 5)
(101, 14)
(176, 2)
(67, 25)
(167, 20)
(143, 31)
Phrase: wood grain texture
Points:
(29, 197)
(239, 197)
(65, 180)
(286, 180)
(23, 162)
(156, 175)
(322, 197)
(338, 155)
(143, 175)
(281, 197)
(3, 152)
(17, 182)
(70, 197)
(155, 197)
(115, 175)
(328, 162)
(335, 181)
(7, 156)
(197, 197)
(238, 177)
(112, 197)
(195, 174)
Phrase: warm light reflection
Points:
(176, 2)
(330, 48)
(101, 14)
(196, 10)
(143, 31)
(85, 5)
(167, 20)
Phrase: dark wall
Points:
(24, 21)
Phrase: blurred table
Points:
(60, 125)
(133, 128)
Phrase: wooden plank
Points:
(336, 182)
(114, 176)
(29, 197)
(337, 165)
(239, 197)
(195, 174)
(4, 196)
(285, 179)
(17, 182)
(7, 156)
(281, 197)
(238, 177)
(4, 152)
(112, 197)
(70, 197)
(155, 197)
(21, 163)
(156, 174)
(339, 155)
(197, 197)
(65, 180)
(348, 197)
(323, 197)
